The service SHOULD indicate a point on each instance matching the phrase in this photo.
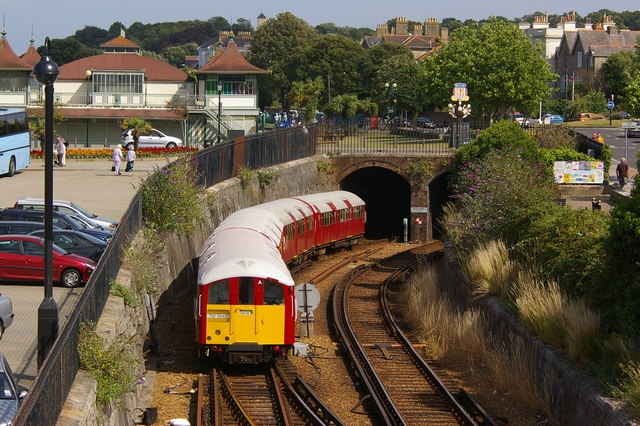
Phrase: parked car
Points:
(20, 227)
(531, 121)
(517, 117)
(155, 138)
(553, 119)
(77, 242)
(22, 259)
(6, 315)
(624, 114)
(424, 123)
(64, 206)
(10, 393)
(60, 220)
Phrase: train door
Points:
(253, 321)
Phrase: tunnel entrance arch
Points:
(388, 199)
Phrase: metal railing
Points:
(44, 402)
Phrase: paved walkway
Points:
(90, 184)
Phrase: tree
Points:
(138, 124)
(272, 47)
(68, 50)
(405, 72)
(242, 25)
(306, 96)
(329, 56)
(615, 74)
(373, 81)
(501, 67)
(347, 107)
(632, 91)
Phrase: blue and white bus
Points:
(15, 141)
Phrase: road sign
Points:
(610, 105)
(307, 297)
(629, 125)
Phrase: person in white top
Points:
(61, 148)
(117, 158)
(131, 159)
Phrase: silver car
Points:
(6, 314)
(10, 393)
(155, 138)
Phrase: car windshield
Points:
(76, 223)
(83, 211)
(6, 389)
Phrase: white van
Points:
(65, 206)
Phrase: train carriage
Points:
(245, 308)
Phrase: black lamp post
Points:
(458, 110)
(46, 71)
(219, 108)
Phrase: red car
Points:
(22, 259)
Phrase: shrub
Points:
(112, 366)
(171, 197)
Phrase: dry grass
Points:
(490, 269)
(582, 329)
(445, 330)
(540, 304)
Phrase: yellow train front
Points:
(245, 308)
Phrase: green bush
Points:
(171, 197)
(112, 366)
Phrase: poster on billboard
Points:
(579, 172)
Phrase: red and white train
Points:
(245, 307)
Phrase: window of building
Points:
(113, 82)
(232, 85)
(13, 81)
(579, 58)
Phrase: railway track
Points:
(259, 395)
(402, 387)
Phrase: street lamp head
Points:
(45, 70)
(386, 85)
(219, 86)
(394, 85)
(88, 74)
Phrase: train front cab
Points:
(248, 320)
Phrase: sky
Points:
(23, 19)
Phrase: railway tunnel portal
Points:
(404, 195)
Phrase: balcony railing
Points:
(120, 100)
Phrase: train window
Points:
(245, 291)
(273, 293)
(219, 293)
(310, 224)
(358, 212)
(301, 227)
(342, 215)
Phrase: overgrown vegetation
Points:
(143, 257)
(245, 175)
(113, 366)
(171, 197)
(265, 178)
(581, 289)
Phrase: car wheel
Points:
(12, 167)
(172, 145)
(130, 144)
(71, 278)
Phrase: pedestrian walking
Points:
(117, 158)
(61, 149)
(622, 171)
(131, 159)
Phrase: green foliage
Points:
(68, 50)
(628, 387)
(356, 34)
(420, 171)
(129, 298)
(326, 167)
(245, 175)
(500, 135)
(112, 366)
(569, 243)
(265, 178)
(143, 257)
(140, 124)
(632, 90)
(171, 197)
(549, 156)
(594, 101)
(306, 96)
(497, 197)
(329, 56)
(502, 69)
(553, 137)
(406, 73)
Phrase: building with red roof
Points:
(96, 93)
